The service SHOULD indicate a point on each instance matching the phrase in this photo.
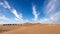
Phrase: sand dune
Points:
(33, 29)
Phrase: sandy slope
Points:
(8, 28)
(36, 29)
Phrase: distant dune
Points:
(29, 28)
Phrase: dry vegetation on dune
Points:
(28, 28)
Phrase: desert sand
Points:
(28, 28)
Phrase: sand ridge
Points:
(34, 29)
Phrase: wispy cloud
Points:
(35, 13)
(16, 14)
(6, 4)
(53, 19)
(18, 17)
(14, 11)
(1, 3)
(5, 20)
(56, 18)
(4, 17)
(50, 11)
(26, 20)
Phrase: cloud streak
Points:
(53, 19)
(35, 13)
(4, 20)
(18, 16)
(4, 17)
(7, 4)
(50, 8)
(50, 11)
(1, 3)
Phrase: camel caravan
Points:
(9, 24)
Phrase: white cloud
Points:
(52, 16)
(4, 17)
(54, 19)
(35, 13)
(5, 20)
(21, 17)
(1, 3)
(50, 3)
(6, 4)
(26, 20)
(50, 7)
(16, 14)
(18, 17)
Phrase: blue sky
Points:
(21, 11)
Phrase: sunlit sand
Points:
(29, 28)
